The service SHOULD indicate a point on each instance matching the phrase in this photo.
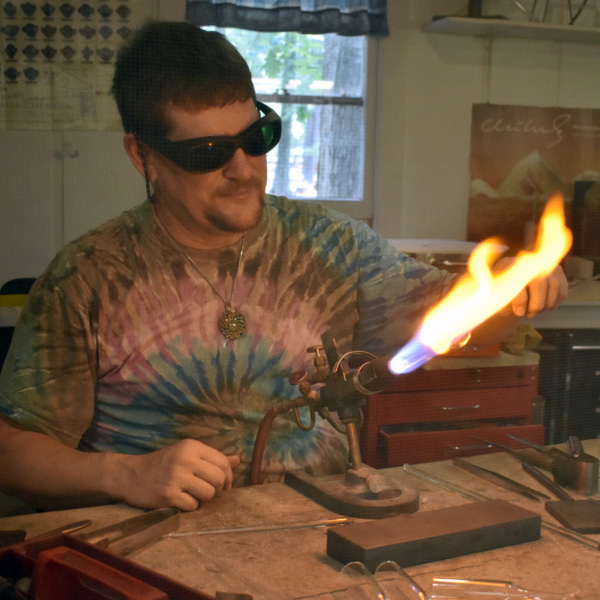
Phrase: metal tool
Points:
(261, 528)
(539, 447)
(533, 456)
(579, 472)
(582, 516)
(575, 446)
(18, 535)
(546, 482)
(501, 480)
(134, 534)
(70, 528)
(476, 497)
(579, 476)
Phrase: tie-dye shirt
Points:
(118, 348)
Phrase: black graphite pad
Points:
(582, 516)
(433, 535)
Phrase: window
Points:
(318, 85)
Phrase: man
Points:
(151, 347)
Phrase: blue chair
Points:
(13, 287)
(21, 285)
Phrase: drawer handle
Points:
(472, 407)
(461, 449)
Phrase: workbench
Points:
(293, 564)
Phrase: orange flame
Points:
(480, 293)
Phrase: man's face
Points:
(208, 210)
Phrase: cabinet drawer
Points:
(469, 378)
(451, 406)
(396, 449)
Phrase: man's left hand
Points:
(544, 293)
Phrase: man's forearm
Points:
(47, 473)
(51, 475)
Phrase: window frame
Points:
(364, 209)
(359, 209)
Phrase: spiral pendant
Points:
(232, 324)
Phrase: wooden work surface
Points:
(293, 564)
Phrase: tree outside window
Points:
(317, 83)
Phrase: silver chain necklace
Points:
(232, 323)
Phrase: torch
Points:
(339, 386)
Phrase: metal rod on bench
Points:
(457, 489)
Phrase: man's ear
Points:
(135, 153)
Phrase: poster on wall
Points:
(57, 61)
(520, 155)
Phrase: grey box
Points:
(433, 535)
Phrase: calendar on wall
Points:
(521, 155)
(57, 61)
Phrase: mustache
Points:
(233, 187)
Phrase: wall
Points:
(55, 185)
(427, 84)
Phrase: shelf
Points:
(513, 29)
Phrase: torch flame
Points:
(480, 293)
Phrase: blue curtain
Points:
(345, 17)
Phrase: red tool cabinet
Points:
(436, 412)
(64, 567)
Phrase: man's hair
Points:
(178, 63)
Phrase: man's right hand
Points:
(51, 475)
(181, 476)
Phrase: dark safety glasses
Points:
(205, 154)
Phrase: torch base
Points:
(364, 493)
